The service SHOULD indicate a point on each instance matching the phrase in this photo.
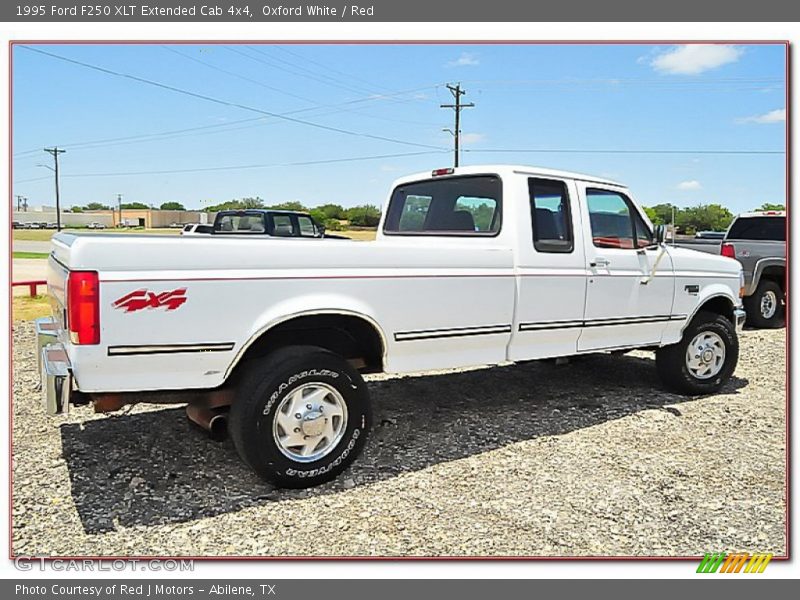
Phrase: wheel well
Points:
(349, 336)
(775, 273)
(719, 305)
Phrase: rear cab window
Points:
(469, 205)
(758, 228)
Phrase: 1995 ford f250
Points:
(471, 266)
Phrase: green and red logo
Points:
(742, 562)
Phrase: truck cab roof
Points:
(504, 170)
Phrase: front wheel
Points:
(765, 308)
(300, 417)
(705, 358)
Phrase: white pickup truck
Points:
(471, 266)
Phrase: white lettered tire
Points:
(300, 417)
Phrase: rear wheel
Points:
(705, 358)
(300, 417)
(765, 307)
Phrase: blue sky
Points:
(363, 101)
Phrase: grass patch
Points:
(363, 235)
(30, 254)
(25, 308)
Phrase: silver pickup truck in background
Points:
(758, 241)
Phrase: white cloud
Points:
(773, 116)
(688, 186)
(472, 138)
(467, 59)
(694, 59)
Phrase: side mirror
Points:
(660, 234)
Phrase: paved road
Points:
(29, 246)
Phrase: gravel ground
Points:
(585, 459)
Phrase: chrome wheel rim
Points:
(309, 422)
(705, 355)
(769, 304)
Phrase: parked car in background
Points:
(34, 225)
(16, 225)
(197, 229)
(758, 241)
(269, 223)
(471, 266)
(95, 225)
(51, 226)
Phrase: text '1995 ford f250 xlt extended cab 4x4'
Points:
(471, 266)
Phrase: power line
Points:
(224, 127)
(257, 166)
(227, 102)
(324, 66)
(31, 180)
(237, 75)
(324, 79)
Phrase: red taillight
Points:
(83, 307)
(440, 172)
(727, 250)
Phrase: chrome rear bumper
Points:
(739, 315)
(46, 334)
(54, 368)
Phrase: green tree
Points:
(96, 206)
(294, 205)
(661, 214)
(172, 206)
(704, 217)
(77, 209)
(333, 225)
(318, 215)
(770, 206)
(367, 215)
(134, 206)
(332, 211)
(244, 203)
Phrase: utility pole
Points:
(119, 204)
(55, 152)
(457, 93)
(19, 202)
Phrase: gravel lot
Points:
(590, 458)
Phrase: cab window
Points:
(550, 215)
(615, 222)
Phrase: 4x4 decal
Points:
(141, 299)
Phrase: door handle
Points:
(599, 261)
